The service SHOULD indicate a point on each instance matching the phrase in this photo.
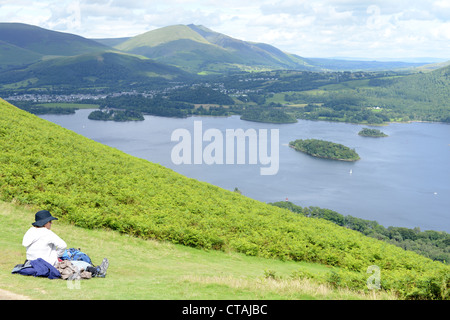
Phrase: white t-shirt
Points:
(43, 243)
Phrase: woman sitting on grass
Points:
(43, 243)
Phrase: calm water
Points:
(402, 180)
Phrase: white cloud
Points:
(65, 15)
(361, 28)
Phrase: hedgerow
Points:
(95, 186)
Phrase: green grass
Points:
(161, 36)
(148, 269)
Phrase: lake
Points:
(402, 180)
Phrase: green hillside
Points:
(111, 42)
(433, 66)
(195, 49)
(156, 270)
(91, 185)
(421, 96)
(11, 56)
(199, 49)
(161, 36)
(105, 69)
(47, 42)
(190, 55)
(363, 97)
(180, 46)
(253, 53)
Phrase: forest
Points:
(325, 149)
(267, 114)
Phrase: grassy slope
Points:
(178, 45)
(196, 48)
(147, 269)
(161, 36)
(11, 55)
(248, 52)
(95, 186)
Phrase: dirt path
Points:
(7, 295)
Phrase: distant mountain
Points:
(434, 66)
(257, 53)
(199, 49)
(357, 65)
(103, 69)
(22, 44)
(47, 42)
(32, 57)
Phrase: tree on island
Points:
(366, 132)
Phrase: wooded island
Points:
(366, 132)
(325, 149)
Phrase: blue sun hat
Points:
(42, 217)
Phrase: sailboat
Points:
(351, 171)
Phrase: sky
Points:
(366, 29)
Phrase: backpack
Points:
(75, 255)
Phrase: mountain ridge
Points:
(29, 52)
(160, 36)
(205, 49)
(199, 49)
(114, 69)
(47, 42)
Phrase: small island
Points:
(325, 149)
(116, 115)
(366, 132)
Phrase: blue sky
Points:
(374, 29)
